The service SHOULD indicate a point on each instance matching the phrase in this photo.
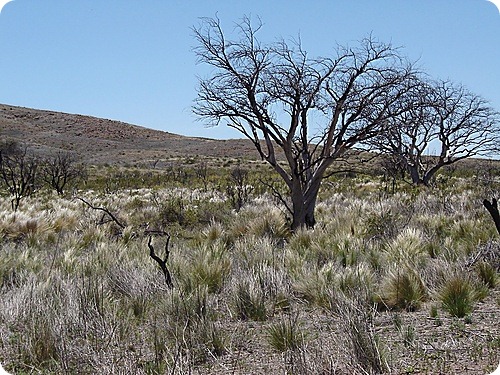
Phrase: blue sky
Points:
(132, 60)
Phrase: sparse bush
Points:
(177, 211)
(238, 188)
(381, 225)
(61, 171)
(18, 173)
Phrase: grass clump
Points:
(357, 319)
(287, 334)
(487, 274)
(457, 296)
(249, 302)
(315, 287)
(403, 289)
(210, 267)
(192, 324)
(407, 248)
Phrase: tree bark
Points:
(492, 208)
(415, 177)
(303, 214)
(303, 205)
(431, 172)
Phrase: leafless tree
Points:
(107, 213)
(203, 175)
(18, 172)
(239, 188)
(443, 116)
(308, 111)
(61, 170)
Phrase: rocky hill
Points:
(101, 141)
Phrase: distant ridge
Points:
(100, 141)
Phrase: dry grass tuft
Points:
(81, 295)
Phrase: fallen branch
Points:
(162, 262)
(105, 210)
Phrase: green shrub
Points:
(380, 225)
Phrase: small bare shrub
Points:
(18, 173)
(239, 189)
(62, 171)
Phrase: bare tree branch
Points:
(162, 262)
(310, 110)
(105, 210)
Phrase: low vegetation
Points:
(393, 278)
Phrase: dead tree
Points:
(307, 111)
(18, 172)
(61, 170)
(492, 208)
(442, 115)
(162, 262)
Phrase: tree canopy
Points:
(312, 110)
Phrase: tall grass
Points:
(80, 295)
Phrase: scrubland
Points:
(402, 281)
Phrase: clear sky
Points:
(132, 60)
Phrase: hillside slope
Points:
(100, 141)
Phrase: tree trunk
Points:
(303, 216)
(415, 177)
(492, 208)
(428, 176)
(303, 206)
